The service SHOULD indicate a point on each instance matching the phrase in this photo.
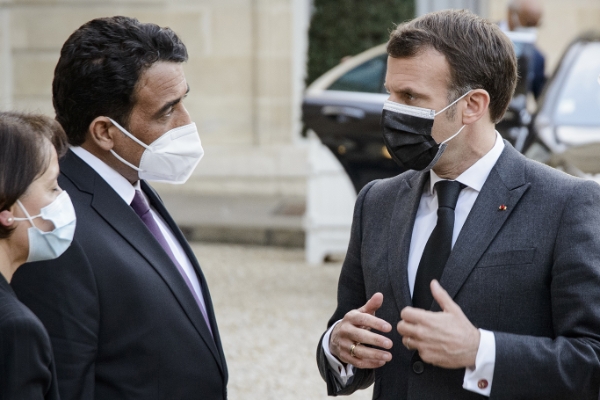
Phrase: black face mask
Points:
(407, 135)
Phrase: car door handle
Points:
(342, 113)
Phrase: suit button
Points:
(482, 383)
(418, 367)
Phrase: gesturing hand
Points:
(446, 339)
(355, 330)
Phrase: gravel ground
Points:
(272, 309)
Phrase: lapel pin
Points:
(502, 208)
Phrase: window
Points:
(367, 77)
(579, 100)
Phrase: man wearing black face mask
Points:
(477, 272)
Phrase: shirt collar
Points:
(476, 175)
(116, 181)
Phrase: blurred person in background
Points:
(127, 306)
(476, 273)
(523, 20)
(37, 222)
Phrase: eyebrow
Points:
(407, 90)
(411, 91)
(170, 104)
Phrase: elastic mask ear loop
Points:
(453, 136)
(29, 218)
(124, 161)
(453, 103)
(447, 107)
(138, 141)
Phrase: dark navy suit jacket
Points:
(122, 321)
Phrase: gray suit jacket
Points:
(530, 274)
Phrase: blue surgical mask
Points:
(50, 245)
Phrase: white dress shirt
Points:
(126, 191)
(425, 221)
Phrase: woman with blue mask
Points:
(37, 222)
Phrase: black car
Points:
(344, 108)
(566, 128)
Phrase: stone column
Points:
(301, 11)
(6, 76)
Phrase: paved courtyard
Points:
(271, 308)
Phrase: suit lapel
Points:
(158, 205)
(504, 187)
(125, 221)
(401, 227)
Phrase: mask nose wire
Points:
(453, 103)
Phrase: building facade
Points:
(246, 72)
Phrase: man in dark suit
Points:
(477, 278)
(127, 307)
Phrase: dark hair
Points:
(479, 54)
(99, 67)
(24, 154)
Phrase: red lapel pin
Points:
(502, 208)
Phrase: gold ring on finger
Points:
(408, 343)
(352, 348)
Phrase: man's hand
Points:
(446, 339)
(355, 330)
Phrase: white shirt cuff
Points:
(341, 373)
(479, 379)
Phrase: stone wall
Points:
(245, 72)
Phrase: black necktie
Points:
(438, 247)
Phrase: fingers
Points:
(410, 343)
(355, 330)
(442, 297)
(367, 321)
(367, 357)
(355, 334)
(409, 329)
(406, 342)
(373, 304)
(446, 339)
(364, 356)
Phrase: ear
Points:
(101, 133)
(478, 102)
(6, 218)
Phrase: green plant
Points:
(342, 28)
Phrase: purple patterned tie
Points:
(142, 209)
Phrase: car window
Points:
(579, 100)
(367, 77)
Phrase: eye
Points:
(168, 113)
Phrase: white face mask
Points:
(171, 158)
(50, 245)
